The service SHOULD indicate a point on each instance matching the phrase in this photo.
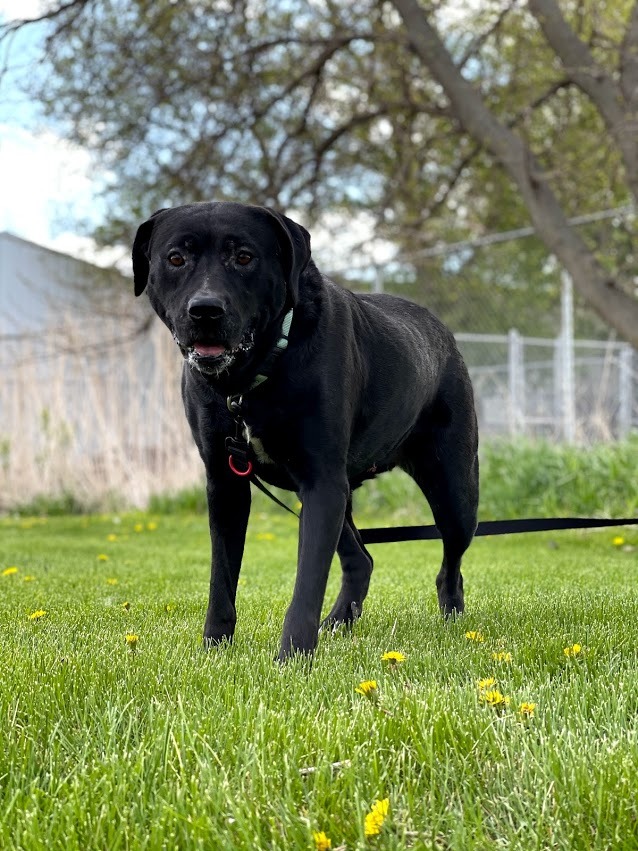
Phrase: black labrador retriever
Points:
(318, 389)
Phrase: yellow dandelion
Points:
(131, 640)
(102, 557)
(139, 527)
(488, 683)
(322, 842)
(618, 541)
(265, 536)
(474, 635)
(126, 606)
(111, 581)
(502, 656)
(152, 526)
(375, 818)
(169, 607)
(9, 571)
(37, 615)
(368, 688)
(572, 650)
(28, 578)
(494, 698)
(393, 658)
(111, 537)
(526, 710)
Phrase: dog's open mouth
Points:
(215, 358)
(205, 351)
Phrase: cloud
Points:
(48, 184)
(21, 9)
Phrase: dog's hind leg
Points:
(356, 567)
(443, 461)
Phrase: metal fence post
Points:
(515, 382)
(568, 379)
(625, 390)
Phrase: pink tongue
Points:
(209, 351)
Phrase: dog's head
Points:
(220, 276)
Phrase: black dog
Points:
(324, 389)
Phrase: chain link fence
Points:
(576, 391)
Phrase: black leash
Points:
(262, 487)
(239, 460)
(383, 535)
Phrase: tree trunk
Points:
(601, 291)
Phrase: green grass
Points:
(172, 747)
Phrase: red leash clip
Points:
(238, 450)
(237, 447)
(246, 472)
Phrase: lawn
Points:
(157, 744)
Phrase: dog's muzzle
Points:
(213, 359)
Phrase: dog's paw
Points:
(451, 605)
(217, 638)
(289, 652)
(342, 615)
(295, 656)
(218, 630)
(450, 594)
(298, 639)
(450, 613)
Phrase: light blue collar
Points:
(280, 347)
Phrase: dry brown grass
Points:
(93, 413)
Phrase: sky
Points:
(47, 183)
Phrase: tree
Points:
(439, 119)
(616, 102)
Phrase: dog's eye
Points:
(176, 259)
(244, 258)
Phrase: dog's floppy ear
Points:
(295, 245)
(140, 253)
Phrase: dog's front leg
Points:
(228, 510)
(322, 515)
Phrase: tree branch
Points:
(581, 67)
(629, 61)
(478, 42)
(312, 70)
(320, 152)
(281, 41)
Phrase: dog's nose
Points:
(206, 307)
